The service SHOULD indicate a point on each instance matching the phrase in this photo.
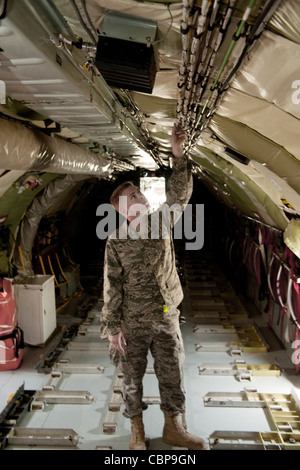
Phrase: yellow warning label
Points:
(287, 204)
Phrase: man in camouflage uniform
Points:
(142, 291)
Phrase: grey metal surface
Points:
(100, 423)
(96, 415)
(51, 79)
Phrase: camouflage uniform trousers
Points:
(163, 338)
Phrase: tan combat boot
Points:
(137, 438)
(176, 434)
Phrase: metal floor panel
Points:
(87, 419)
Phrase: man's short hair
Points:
(114, 198)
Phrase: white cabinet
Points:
(36, 309)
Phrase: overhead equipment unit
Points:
(126, 56)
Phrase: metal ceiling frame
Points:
(65, 89)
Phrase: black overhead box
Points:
(126, 53)
(126, 64)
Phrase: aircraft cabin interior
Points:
(89, 93)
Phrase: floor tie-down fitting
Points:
(240, 370)
(11, 433)
(283, 413)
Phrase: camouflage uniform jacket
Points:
(140, 275)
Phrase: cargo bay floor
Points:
(224, 344)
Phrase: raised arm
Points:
(181, 182)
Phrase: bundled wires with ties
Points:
(202, 82)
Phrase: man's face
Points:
(133, 196)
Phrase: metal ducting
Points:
(22, 256)
(43, 71)
(24, 148)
